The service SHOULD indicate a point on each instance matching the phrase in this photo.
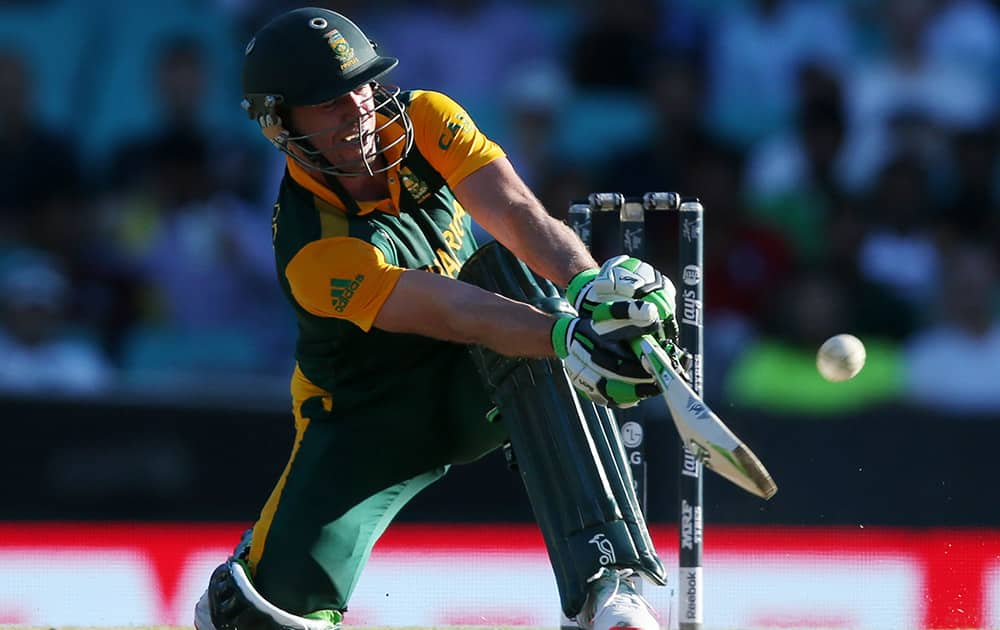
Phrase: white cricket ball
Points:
(840, 358)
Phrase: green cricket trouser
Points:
(352, 470)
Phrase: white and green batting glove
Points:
(597, 355)
(622, 277)
(625, 278)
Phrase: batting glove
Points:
(598, 358)
(622, 277)
(626, 278)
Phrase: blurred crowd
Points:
(847, 153)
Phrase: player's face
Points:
(342, 130)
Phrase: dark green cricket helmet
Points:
(312, 56)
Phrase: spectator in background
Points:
(179, 81)
(250, 13)
(615, 45)
(795, 178)
(907, 81)
(777, 372)
(974, 204)
(40, 351)
(534, 102)
(179, 71)
(754, 53)
(675, 91)
(533, 99)
(898, 251)
(45, 203)
(683, 27)
(207, 242)
(39, 164)
(180, 231)
(206, 261)
(609, 57)
(745, 259)
(465, 48)
(965, 34)
(879, 313)
(953, 365)
(66, 227)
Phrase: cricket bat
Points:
(702, 431)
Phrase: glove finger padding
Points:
(605, 370)
(625, 319)
(622, 277)
(627, 277)
(607, 392)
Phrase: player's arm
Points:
(348, 278)
(598, 364)
(424, 303)
(502, 203)
(489, 189)
(499, 200)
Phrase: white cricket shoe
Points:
(202, 611)
(613, 602)
(202, 614)
(243, 606)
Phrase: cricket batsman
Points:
(419, 346)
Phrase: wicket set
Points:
(632, 239)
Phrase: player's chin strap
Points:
(301, 149)
(236, 605)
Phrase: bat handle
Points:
(646, 347)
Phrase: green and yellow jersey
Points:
(338, 268)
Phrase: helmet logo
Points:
(342, 50)
(317, 23)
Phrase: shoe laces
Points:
(612, 583)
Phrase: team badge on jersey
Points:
(342, 50)
(413, 184)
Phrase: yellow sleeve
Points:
(446, 136)
(342, 277)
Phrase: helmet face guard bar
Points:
(301, 148)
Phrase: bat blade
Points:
(702, 431)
